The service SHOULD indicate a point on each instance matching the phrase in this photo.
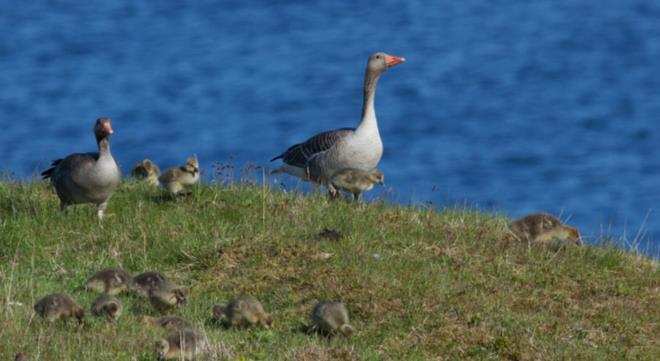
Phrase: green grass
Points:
(419, 284)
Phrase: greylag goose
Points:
(107, 306)
(242, 311)
(146, 170)
(144, 282)
(168, 322)
(58, 306)
(355, 181)
(175, 179)
(87, 177)
(181, 345)
(542, 227)
(359, 148)
(167, 296)
(329, 318)
(110, 281)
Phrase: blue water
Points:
(516, 106)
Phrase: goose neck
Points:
(104, 146)
(368, 106)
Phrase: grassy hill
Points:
(419, 284)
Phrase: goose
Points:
(355, 181)
(58, 306)
(146, 170)
(145, 281)
(87, 177)
(330, 318)
(543, 227)
(107, 306)
(181, 345)
(167, 296)
(111, 281)
(242, 311)
(175, 179)
(359, 148)
(169, 322)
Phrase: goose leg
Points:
(333, 194)
(101, 210)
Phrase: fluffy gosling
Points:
(107, 306)
(146, 170)
(181, 345)
(172, 323)
(241, 312)
(356, 181)
(175, 179)
(142, 283)
(110, 281)
(330, 318)
(58, 306)
(542, 227)
(167, 297)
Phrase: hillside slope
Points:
(419, 284)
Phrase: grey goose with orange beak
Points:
(87, 177)
(358, 148)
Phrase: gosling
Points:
(146, 170)
(110, 281)
(175, 179)
(242, 312)
(167, 297)
(142, 283)
(181, 345)
(58, 306)
(542, 228)
(107, 306)
(172, 323)
(355, 181)
(331, 318)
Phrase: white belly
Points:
(357, 152)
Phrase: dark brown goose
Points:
(87, 177)
(58, 306)
(241, 312)
(182, 345)
(543, 228)
(111, 281)
(167, 296)
(107, 306)
(144, 282)
(330, 318)
(169, 322)
(146, 170)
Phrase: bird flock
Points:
(342, 160)
(183, 341)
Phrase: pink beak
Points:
(391, 60)
(108, 128)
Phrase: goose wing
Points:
(71, 163)
(298, 154)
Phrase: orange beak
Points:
(391, 60)
(107, 128)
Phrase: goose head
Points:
(573, 234)
(192, 165)
(102, 128)
(377, 177)
(162, 348)
(379, 62)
